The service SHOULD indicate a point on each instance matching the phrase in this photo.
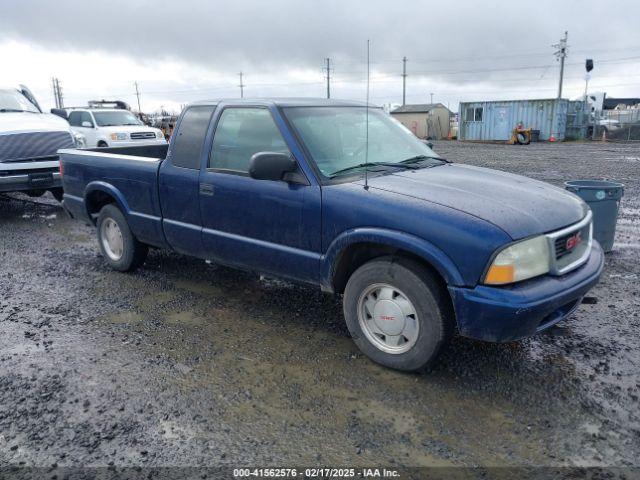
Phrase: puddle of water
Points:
(123, 318)
(201, 288)
(186, 318)
(155, 299)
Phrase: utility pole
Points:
(57, 93)
(404, 80)
(138, 95)
(328, 69)
(431, 98)
(561, 54)
(241, 86)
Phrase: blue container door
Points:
(501, 127)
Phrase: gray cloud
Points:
(464, 43)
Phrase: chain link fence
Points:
(616, 125)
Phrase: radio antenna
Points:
(366, 145)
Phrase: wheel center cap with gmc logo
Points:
(388, 317)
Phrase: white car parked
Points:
(110, 127)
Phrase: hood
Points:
(23, 122)
(518, 205)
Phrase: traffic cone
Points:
(552, 138)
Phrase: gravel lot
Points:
(186, 363)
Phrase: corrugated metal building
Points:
(561, 119)
(430, 120)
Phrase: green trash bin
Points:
(604, 199)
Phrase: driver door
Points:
(264, 225)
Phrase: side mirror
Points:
(87, 124)
(428, 143)
(61, 112)
(271, 166)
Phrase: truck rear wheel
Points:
(120, 248)
(398, 313)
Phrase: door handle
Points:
(206, 189)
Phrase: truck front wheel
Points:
(119, 247)
(398, 313)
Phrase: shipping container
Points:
(558, 119)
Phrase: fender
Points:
(411, 243)
(108, 189)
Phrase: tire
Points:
(102, 144)
(523, 139)
(428, 299)
(57, 193)
(124, 252)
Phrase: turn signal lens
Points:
(500, 274)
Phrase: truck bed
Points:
(128, 174)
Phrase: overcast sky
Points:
(180, 51)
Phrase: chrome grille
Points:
(142, 135)
(571, 246)
(32, 146)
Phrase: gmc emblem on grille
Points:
(573, 241)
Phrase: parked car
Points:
(419, 246)
(29, 140)
(113, 127)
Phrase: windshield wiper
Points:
(372, 164)
(420, 158)
(3, 110)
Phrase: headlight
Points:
(519, 261)
(119, 136)
(79, 140)
(159, 134)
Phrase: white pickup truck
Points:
(113, 127)
(29, 141)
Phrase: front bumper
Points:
(22, 182)
(524, 309)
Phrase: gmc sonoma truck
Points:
(340, 195)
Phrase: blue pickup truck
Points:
(340, 195)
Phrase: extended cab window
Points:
(240, 133)
(187, 147)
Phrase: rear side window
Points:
(187, 146)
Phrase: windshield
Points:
(336, 139)
(117, 117)
(14, 101)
